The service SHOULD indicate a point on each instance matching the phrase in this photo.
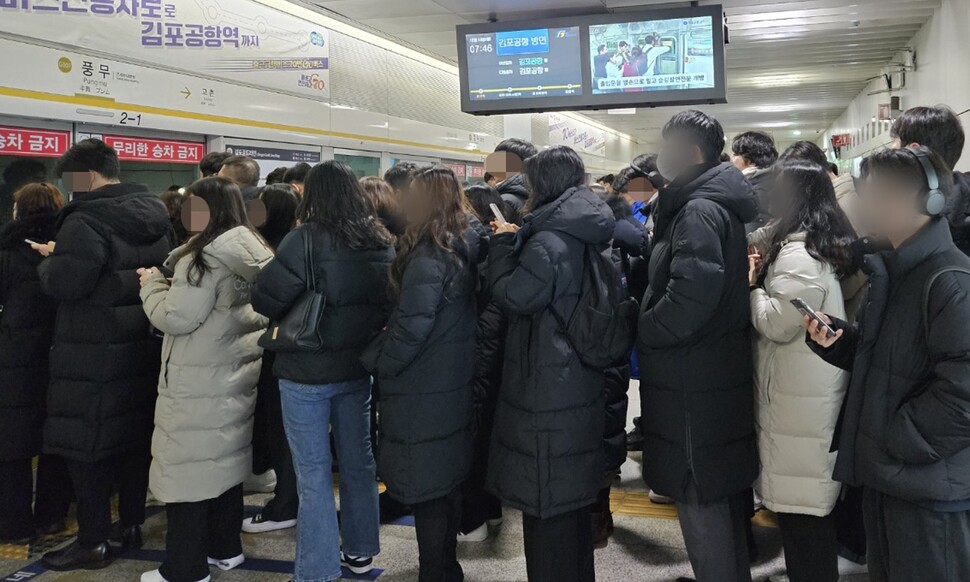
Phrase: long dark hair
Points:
(481, 196)
(443, 228)
(226, 211)
(807, 191)
(281, 201)
(333, 198)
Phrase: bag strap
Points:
(929, 287)
(311, 283)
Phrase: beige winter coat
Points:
(201, 447)
(798, 396)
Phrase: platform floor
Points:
(646, 547)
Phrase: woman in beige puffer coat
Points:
(798, 396)
(201, 447)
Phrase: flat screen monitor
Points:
(506, 69)
(636, 59)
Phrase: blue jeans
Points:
(308, 412)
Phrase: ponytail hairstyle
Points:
(443, 228)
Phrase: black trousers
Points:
(560, 548)
(911, 543)
(20, 512)
(714, 534)
(436, 523)
(811, 547)
(849, 525)
(93, 487)
(201, 530)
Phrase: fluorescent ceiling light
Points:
(624, 111)
(777, 124)
(774, 108)
(796, 132)
(777, 80)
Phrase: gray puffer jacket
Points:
(210, 366)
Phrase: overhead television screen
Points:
(604, 61)
(653, 55)
(524, 64)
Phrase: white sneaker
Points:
(779, 578)
(660, 499)
(228, 564)
(156, 576)
(258, 524)
(265, 483)
(495, 522)
(479, 534)
(357, 564)
(848, 567)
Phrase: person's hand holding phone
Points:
(44, 249)
(146, 275)
(818, 332)
(504, 227)
(754, 266)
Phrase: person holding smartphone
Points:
(800, 257)
(905, 430)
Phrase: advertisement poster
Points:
(577, 135)
(657, 55)
(241, 41)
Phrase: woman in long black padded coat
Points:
(425, 368)
(547, 445)
(26, 328)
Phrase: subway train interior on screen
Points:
(484, 290)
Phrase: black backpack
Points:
(603, 327)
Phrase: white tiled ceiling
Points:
(793, 65)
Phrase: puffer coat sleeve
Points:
(283, 280)
(522, 284)
(935, 424)
(72, 271)
(422, 290)
(772, 313)
(696, 280)
(178, 309)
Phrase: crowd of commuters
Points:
(800, 340)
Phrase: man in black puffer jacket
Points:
(515, 189)
(105, 360)
(695, 349)
(905, 430)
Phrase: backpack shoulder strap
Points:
(928, 288)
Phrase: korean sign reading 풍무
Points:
(240, 40)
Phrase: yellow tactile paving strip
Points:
(638, 504)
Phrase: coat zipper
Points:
(690, 445)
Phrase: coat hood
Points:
(239, 249)
(721, 183)
(578, 213)
(515, 186)
(129, 210)
(37, 227)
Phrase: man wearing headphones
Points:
(905, 431)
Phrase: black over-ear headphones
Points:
(935, 200)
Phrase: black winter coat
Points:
(905, 429)
(354, 283)
(104, 360)
(694, 346)
(26, 329)
(762, 181)
(425, 371)
(547, 447)
(514, 191)
(959, 213)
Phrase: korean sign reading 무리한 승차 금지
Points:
(242, 40)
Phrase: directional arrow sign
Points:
(186, 92)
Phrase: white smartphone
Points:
(30, 242)
(498, 214)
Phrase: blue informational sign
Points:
(522, 42)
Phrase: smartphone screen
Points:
(498, 213)
(30, 242)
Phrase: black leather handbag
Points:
(299, 330)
